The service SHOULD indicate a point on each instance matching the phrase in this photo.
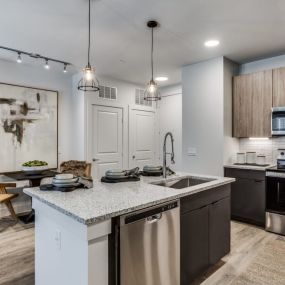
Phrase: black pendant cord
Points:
(89, 27)
(152, 54)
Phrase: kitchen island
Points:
(72, 229)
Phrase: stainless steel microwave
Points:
(278, 121)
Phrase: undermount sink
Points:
(182, 182)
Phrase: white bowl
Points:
(34, 168)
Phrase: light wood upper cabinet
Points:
(252, 103)
(242, 96)
(279, 87)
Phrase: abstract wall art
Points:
(28, 126)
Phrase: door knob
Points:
(134, 156)
(95, 159)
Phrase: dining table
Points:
(24, 179)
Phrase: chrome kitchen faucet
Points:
(164, 170)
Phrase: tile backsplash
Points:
(267, 147)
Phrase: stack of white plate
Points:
(116, 174)
(65, 180)
(152, 169)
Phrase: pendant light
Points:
(152, 93)
(89, 81)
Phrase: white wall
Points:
(263, 64)
(125, 100)
(21, 74)
(231, 145)
(170, 119)
(206, 113)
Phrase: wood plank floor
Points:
(248, 243)
(16, 253)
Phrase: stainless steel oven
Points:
(278, 121)
(275, 201)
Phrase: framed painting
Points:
(28, 126)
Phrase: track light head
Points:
(19, 58)
(47, 65)
(65, 68)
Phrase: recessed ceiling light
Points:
(161, 78)
(212, 43)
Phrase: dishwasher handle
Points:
(150, 215)
(154, 218)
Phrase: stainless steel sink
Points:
(181, 183)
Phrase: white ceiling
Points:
(247, 29)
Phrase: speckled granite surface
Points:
(104, 201)
(248, 167)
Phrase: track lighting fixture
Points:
(19, 58)
(36, 56)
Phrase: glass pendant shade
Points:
(89, 81)
(152, 92)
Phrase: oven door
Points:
(275, 193)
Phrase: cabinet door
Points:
(220, 227)
(194, 244)
(248, 200)
(252, 103)
(261, 104)
(242, 96)
(279, 87)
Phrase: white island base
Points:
(68, 252)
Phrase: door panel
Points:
(220, 227)
(107, 138)
(279, 87)
(194, 244)
(142, 134)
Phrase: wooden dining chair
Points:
(77, 168)
(5, 198)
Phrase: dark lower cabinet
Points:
(205, 231)
(220, 227)
(248, 196)
(194, 244)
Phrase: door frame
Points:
(156, 128)
(89, 117)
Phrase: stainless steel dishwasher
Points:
(150, 246)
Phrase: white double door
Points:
(107, 139)
(143, 136)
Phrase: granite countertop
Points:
(249, 167)
(104, 201)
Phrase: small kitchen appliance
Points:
(278, 121)
(250, 157)
(241, 158)
(281, 158)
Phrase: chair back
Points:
(77, 168)
(4, 185)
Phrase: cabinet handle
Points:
(203, 207)
(258, 181)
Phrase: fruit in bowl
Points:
(34, 166)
